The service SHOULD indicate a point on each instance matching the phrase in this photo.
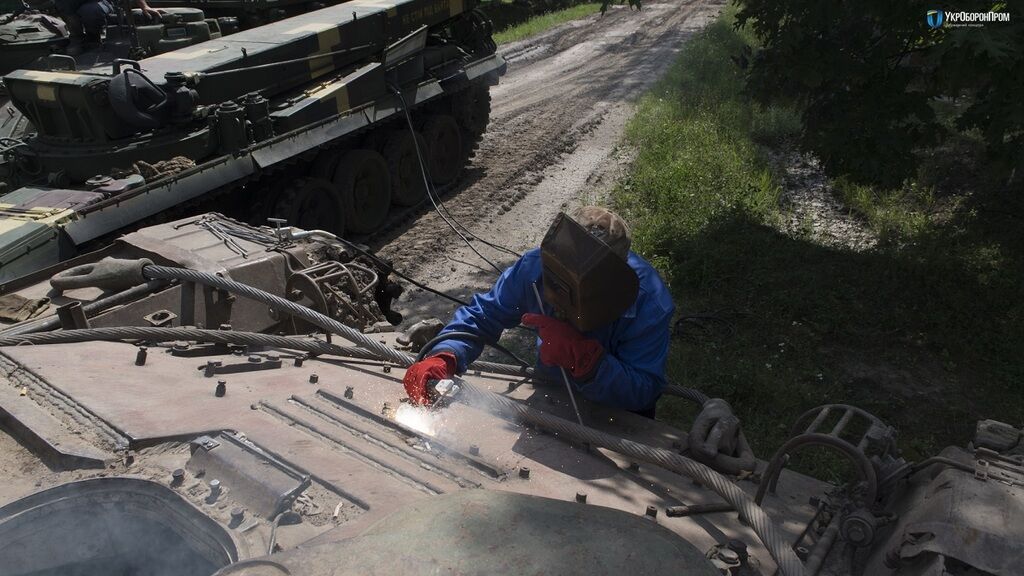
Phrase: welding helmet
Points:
(587, 278)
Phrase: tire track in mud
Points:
(556, 119)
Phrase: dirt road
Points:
(556, 120)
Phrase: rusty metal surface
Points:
(185, 243)
(492, 532)
(326, 418)
(189, 244)
(35, 427)
(374, 463)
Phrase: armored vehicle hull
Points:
(327, 119)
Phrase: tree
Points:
(867, 75)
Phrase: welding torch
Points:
(442, 391)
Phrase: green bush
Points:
(868, 75)
(697, 159)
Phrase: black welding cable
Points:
(431, 194)
(467, 336)
(426, 182)
(434, 291)
(437, 198)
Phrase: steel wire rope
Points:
(91, 309)
(456, 335)
(753, 514)
(155, 272)
(691, 394)
(153, 334)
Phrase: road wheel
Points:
(444, 148)
(365, 187)
(311, 204)
(325, 164)
(407, 187)
(375, 140)
(473, 106)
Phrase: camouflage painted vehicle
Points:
(33, 39)
(304, 119)
(25, 37)
(173, 406)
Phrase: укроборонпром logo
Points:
(939, 18)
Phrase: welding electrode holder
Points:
(443, 392)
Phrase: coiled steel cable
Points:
(691, 394)
(155, 272)
(149, 334)
(762, 525)
(379, 351)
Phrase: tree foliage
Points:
(867, 77)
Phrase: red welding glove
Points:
(562, 345)
(437, 367)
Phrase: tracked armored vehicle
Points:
(28, 37)
(206, 397)
(36, 40)
(327, 120)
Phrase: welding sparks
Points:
(422, 420)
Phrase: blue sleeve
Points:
(489, 314)
(632, 376)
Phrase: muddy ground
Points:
(557, 118)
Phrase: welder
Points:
(605, 316)
(86, 19)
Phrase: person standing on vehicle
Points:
(86, 19)
(605, 318)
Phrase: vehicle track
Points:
(556, 121)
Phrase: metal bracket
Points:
(160, 318)
(877, 440)
(206, 442)
(200, 350)
(255, 363)
(981, 470)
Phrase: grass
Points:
(926, 330)
(539, 24)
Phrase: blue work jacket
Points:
(631, 375)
